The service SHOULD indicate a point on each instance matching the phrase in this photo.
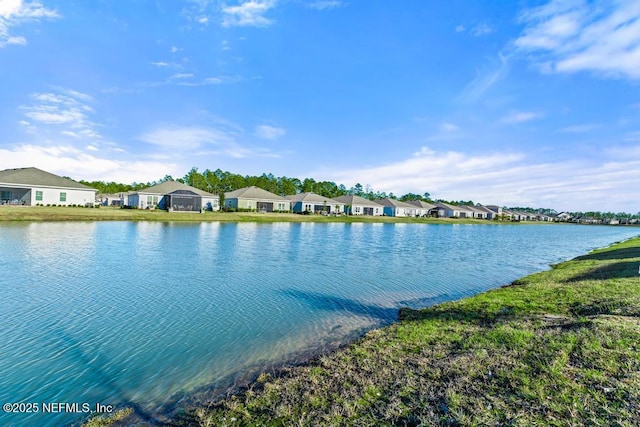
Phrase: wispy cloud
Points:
(248, 13)
(269, 132)
(326, 4)
(163, 64)
(66, 111)
(202, 140)
(520, 117)
(16, 12)
(485, 78)
(460, 29)
(580, 128)
(512, 179)
(481, 30)
(86, 163)
(602, 37)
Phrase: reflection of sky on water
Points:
(121, 312)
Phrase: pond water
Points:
(148, 313)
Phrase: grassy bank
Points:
(561, 347)
(44, 213)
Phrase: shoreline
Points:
(556, 347)
(14, 214)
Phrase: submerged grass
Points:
(560, 347)
(58, 213)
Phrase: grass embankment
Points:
(561, 347)
(44, 213)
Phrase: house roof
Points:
(394, 203)
(421, 204)
(38, 177)
(352, 200)
(253, 192)
(484, 209)
(311, 197)
(171, 186)
(449, 207)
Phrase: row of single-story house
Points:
(32, 186)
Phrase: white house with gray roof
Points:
(422, 207)
(445, 210)
(392, 207)
(174, 196)
(33, 186)
(356, 205)
(256, 199)
(314, 203)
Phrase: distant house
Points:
(422, 207)
(478, 212)
(489, 214)
(115, 199)
(392, 207)
(256, 199)
(356, 205)
(445, 210)
(314, 203)
(33, 186)
(563, 217)
(174, 196)
(497, 210)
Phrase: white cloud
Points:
(66, 111)
(481, 30)
(16, 12)
(580, 128)
(520, 117)
(326, 4)
(485, 79)
(163, 64)
(460, 29)
(201, 141)
(182, 76)
(174, 49)
(79, 164)
(504, 178)
(269, 132)
(602, 37)
(248, 13)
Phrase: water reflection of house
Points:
(314, 203)
(33, 186)
(356, 205)
(256, 199)
(173, 196)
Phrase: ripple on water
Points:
(148, 313)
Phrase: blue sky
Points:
(528, 103)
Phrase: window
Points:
(38, 196)
(5, 194)
(149, 200)
(63, 197)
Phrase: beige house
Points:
(256, 199)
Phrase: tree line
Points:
(219, 182)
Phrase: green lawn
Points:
(44, 213)
(561, 347)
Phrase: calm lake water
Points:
(148, 313)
